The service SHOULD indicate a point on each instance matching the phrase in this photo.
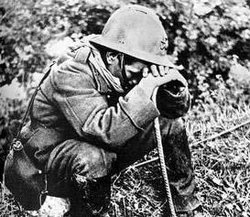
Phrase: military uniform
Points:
(82, 130)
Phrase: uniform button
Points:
(108, 96)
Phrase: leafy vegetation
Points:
(210, 39)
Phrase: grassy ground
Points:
(221, 165)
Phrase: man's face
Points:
(132, 72)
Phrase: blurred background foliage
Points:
(205, 37)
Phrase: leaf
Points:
(239, 73)
(204, 7)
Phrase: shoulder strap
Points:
(27, 112)
(82, 54)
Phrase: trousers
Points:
(82, 171)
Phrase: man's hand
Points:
(157, 76)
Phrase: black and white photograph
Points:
(124, 108)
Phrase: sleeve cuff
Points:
(139, 108)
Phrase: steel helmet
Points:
(136, 31)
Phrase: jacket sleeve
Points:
(88, 111)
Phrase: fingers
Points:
(162, 70)
(145, 72)
(154, 70)
(156, 76)
(169, 74)
(159, 71)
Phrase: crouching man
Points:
(93, 116)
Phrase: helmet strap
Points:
(122, 61)
(122, 66)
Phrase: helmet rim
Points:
(144, 56)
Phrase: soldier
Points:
(93, 115)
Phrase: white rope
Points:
(162, 160)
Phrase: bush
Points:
(203, 36)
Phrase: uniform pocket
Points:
(41, 143)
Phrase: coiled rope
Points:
(162, 159)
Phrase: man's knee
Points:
(172, 126)
(92, 161)
(75, 157)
